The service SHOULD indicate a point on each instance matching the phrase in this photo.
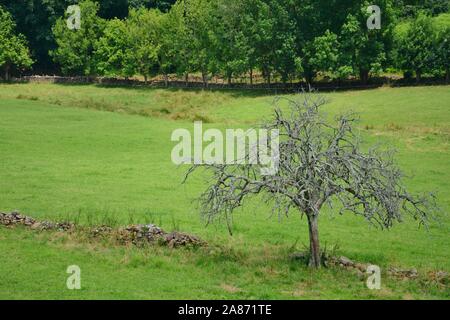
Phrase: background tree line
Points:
(35, 19)
(283, 40)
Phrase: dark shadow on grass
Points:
(242, 90)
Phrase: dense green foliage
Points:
(443, 51)
(13, 47)
(234, 38)
(75, 51)
(409, 8)
(416, 46)
(285, 40)
(35, 19)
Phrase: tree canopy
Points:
(280, 40)
(75, 50)
(13, 47)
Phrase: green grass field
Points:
(101, 155)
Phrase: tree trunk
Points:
(447, 75)
(314, 247)
(186, 79)
(309, 77)
(364, 76)
(145, 79)
(284, 80)
(205, 79)
(166, 80)
(7, 68)
(251, 76)
(418, 76)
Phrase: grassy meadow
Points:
(101, 155)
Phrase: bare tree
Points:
(320, 163)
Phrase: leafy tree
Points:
(168, 28)
(321, 55)
(283, 46)
(34, 19)
(13, 47)
(362, 49)
(75, 51)
(312, 19)
(228, 19)
(257, 29)
(253, 34)
(198, 37)
(176, 44)
(415, 48)
(112, 50)
(192, 43)
(443, 52)
(180, 38)
(320, 163)
(143, 38)
(263, 35)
